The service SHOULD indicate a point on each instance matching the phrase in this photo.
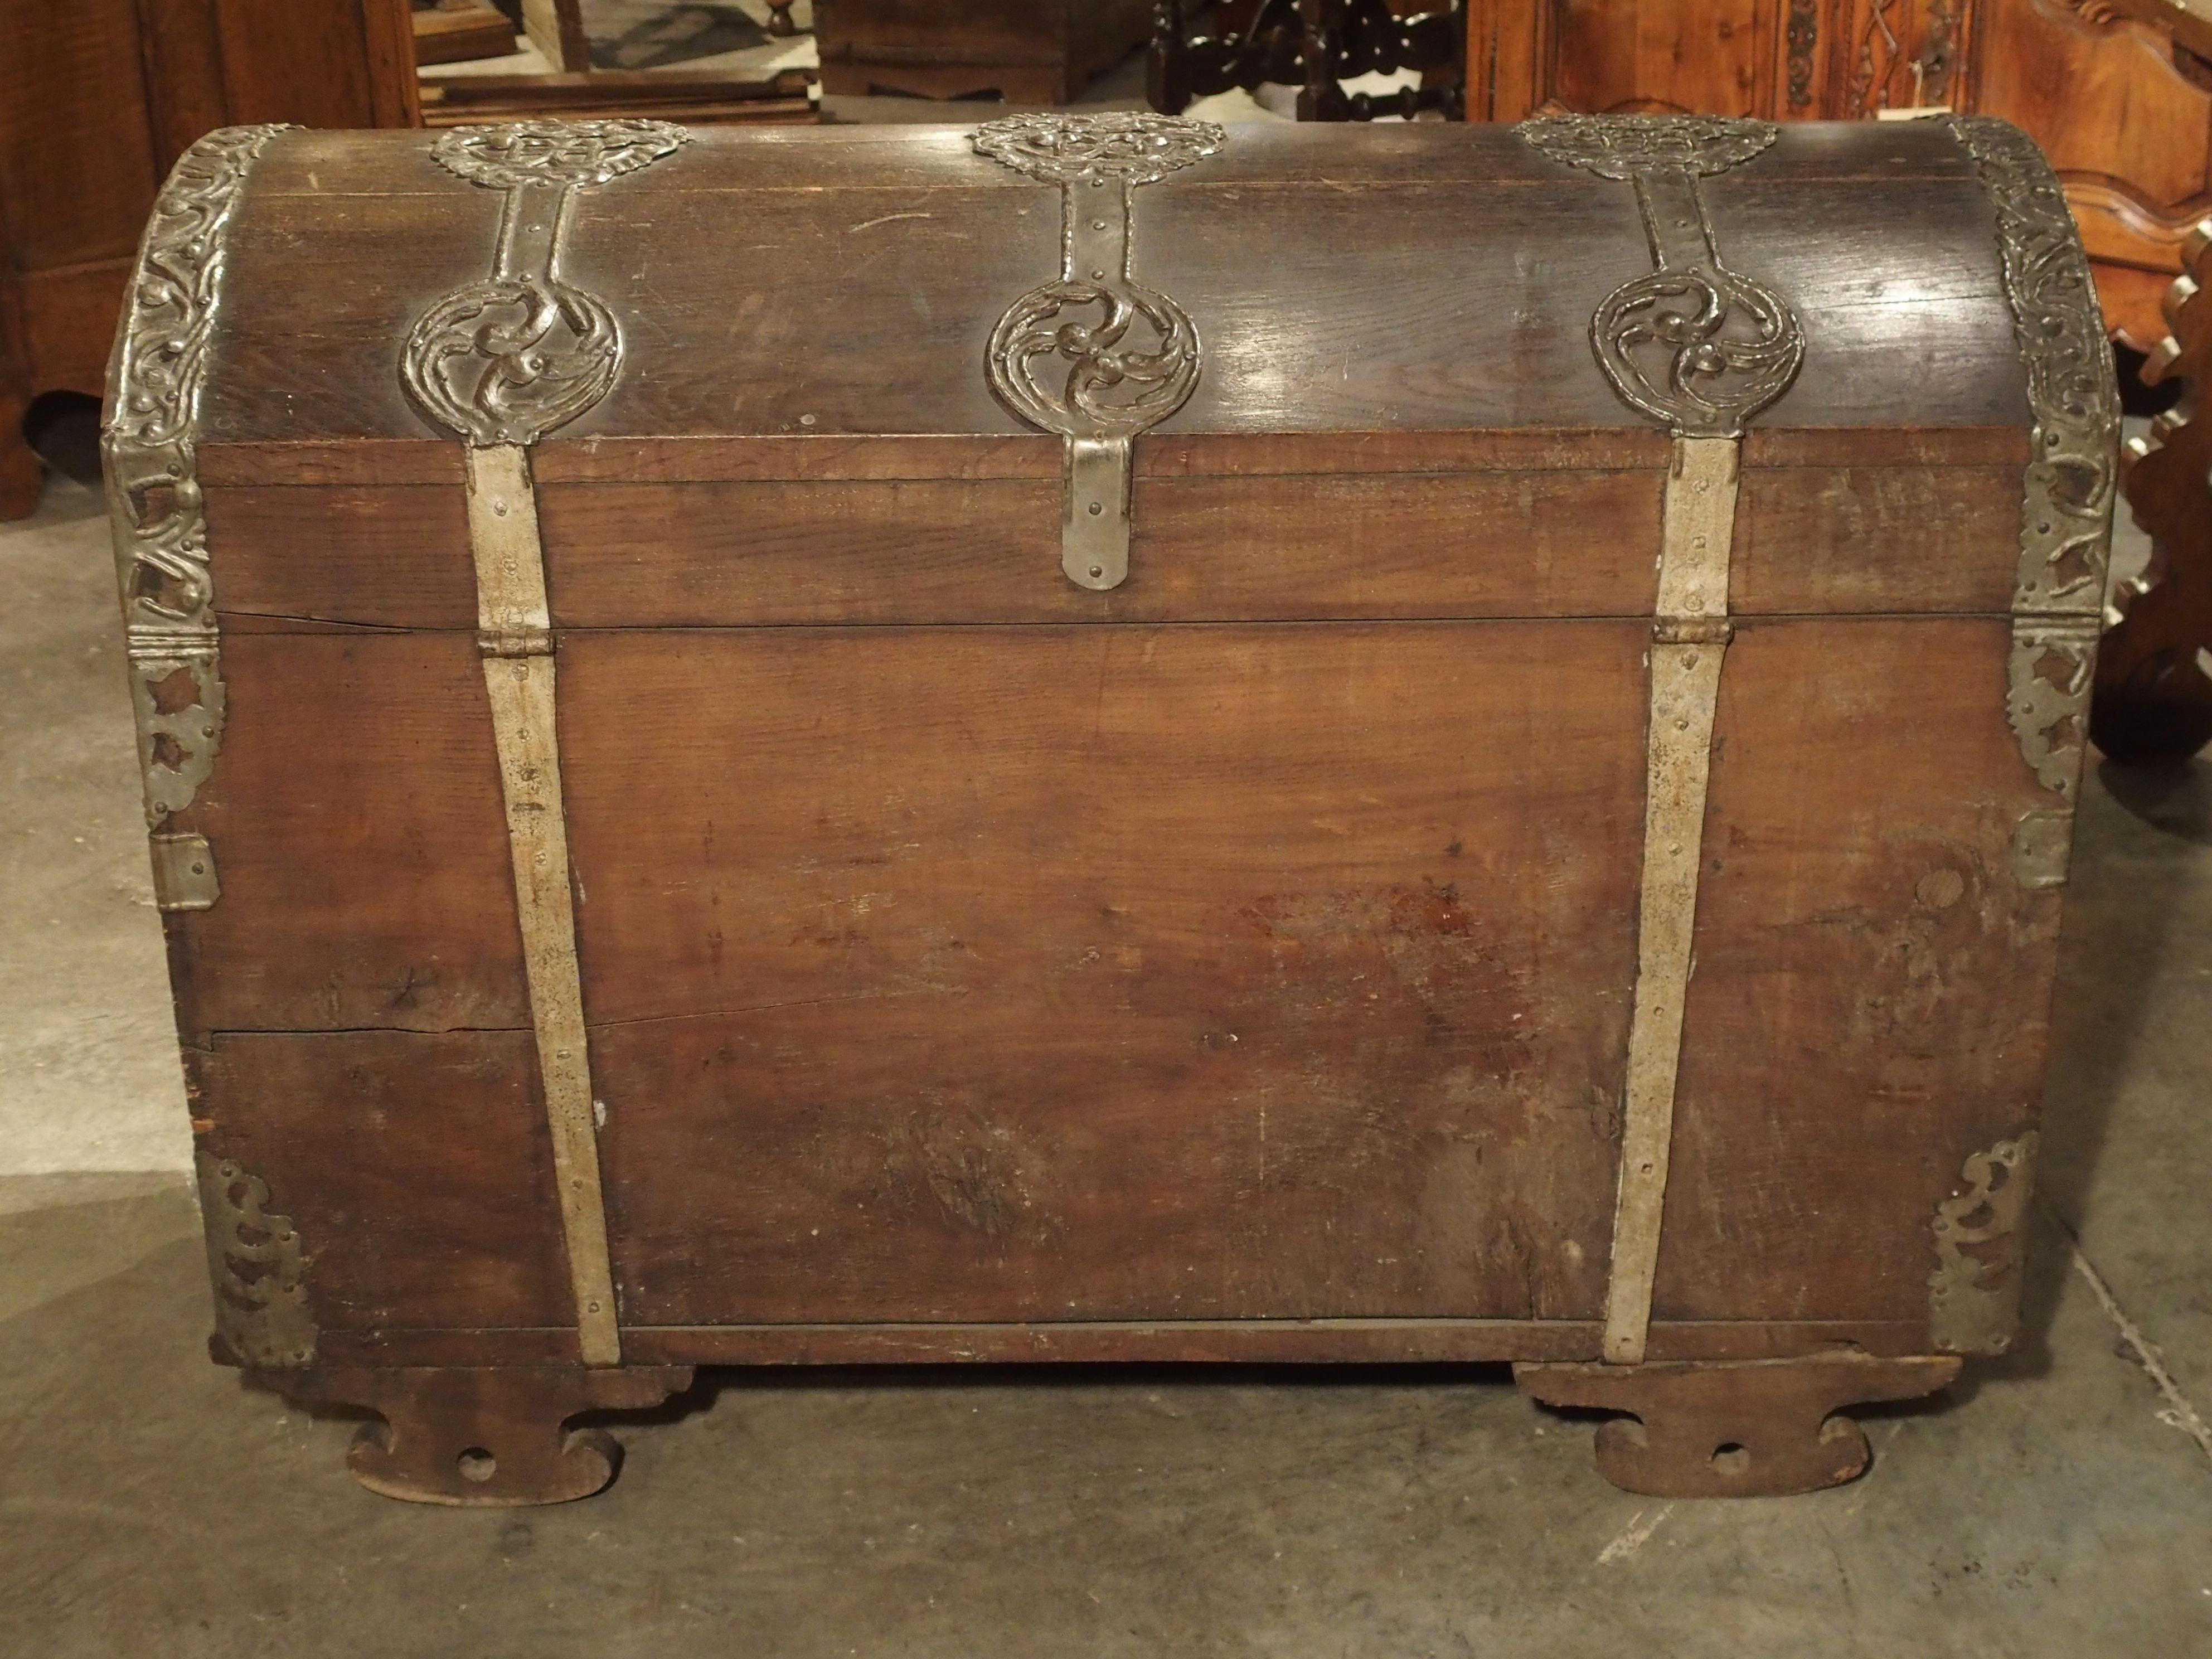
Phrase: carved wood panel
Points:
(1715, 58)
(2124, 112)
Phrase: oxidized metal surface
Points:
(154, 386)
(503, 362)
(2066, 510)
(1696, 346)
(1689, 636)
(184, 873)
(2053, 665)
(1974, 1304)
(2066, 520)
(514, 633)
(1699, 348)
(1777, 1424)
(1624, 147)
(258, 1268)
(1133, 147)
(2042, 845)
(565, 153)
(509, 358)
(1089, 380)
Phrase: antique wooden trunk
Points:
(1094, 739)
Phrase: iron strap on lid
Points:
(501, 361)
(149, 454)
(1699, 348)
(1106, 387)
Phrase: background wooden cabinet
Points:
(1027, 51)
(98, 98)
(2117, 92)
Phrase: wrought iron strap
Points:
(2068, 487)
(1098, 381)
(510, 358)
(502, 362)
(2067, 518)
(159, 524)
(1696, 346)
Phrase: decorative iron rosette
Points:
(1095, 356)
(1695, 345)
(514, 355)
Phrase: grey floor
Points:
(2058, 1503)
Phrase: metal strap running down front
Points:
(1687, 644)
(1699, 348)
(514, 631)
(501, 389)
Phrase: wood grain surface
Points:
(416, 1165)
(1006, 972)
(1192, 968)
(1873, 987)
(1501, 542)
(365, 883)
(874, 267)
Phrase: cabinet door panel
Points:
(1711, 59)
(77, 170)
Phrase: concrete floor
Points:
(88, 1076)
(2058, 1502)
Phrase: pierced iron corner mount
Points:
(149, 454)
(2068, 485)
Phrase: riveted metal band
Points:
(511, 356)
(1688, 642)
(513, 629)
(502, 362)
(149, 451)
(1694, 345)
(1699, 348)
(1090, 382)
(2069, 486)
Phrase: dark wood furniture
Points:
(555, 27)
(2117, 92)
(2154, 672)
(1026, 51)
(460, 30)
(699, 97)
(572, 89)
(1314, 46)
(1144, 740)
(98, 98)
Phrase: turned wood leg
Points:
(485, 1438)
(1760, 1428)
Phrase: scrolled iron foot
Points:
(1764, 1428)
(488, 1437)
